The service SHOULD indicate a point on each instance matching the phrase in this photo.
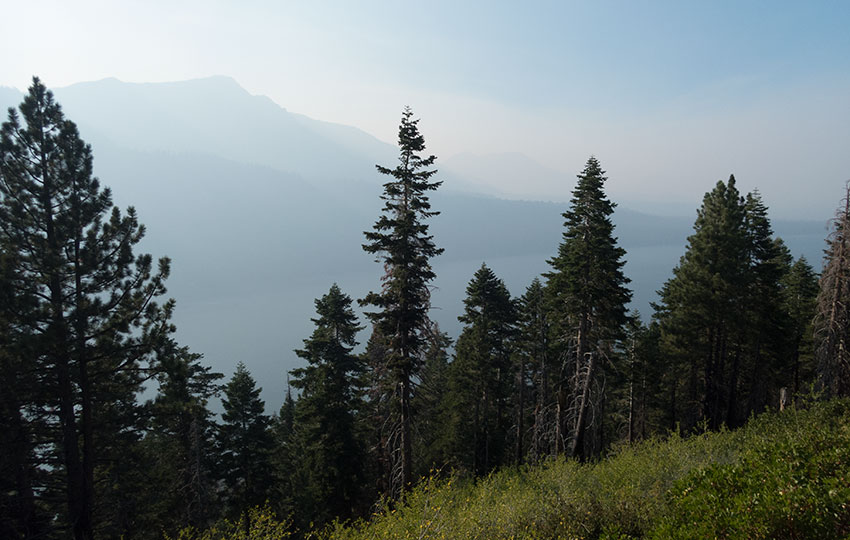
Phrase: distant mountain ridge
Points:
(511, 175)
(216, 116)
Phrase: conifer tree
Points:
(428, 403)
(400, 239)
(481, 375)
(180, 441)
(20, 423)
(244, 444)
(588, 294)
(285, 457)
(799, 296)
(635, 385)
(377, 418)
(701, 306)
(832, 323)
(533, 348)
(325, 415)
(722, 314)
(766, 341)
(95, 320)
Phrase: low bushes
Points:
(784, 475)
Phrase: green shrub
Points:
(259, 524)
(792, 481)
(784, 475)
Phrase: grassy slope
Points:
(784, 475)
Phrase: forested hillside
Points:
(261, 234)
(108, 422)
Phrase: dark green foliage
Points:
(724, 315)
(179, 443)
(429, 401)
(587, 278)
(789, 483)
(635, 387)
(379, 419)
(330, 459)
(799, 297)
(20, 423)
(244, 444)
(88, 305)
(481, 377)
(701, 310)
(767, 325)
(535, 366)
(563, 371)
(400, 238)
(287, 477)
(588, 297)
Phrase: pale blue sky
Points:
(671, 96)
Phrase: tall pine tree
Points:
(588, 295)
(701, 306)
(481, 376)
(832, 324)
(428, 402)
(21, 423)
(722, 316)
(179, 443)
(96, 320)
(244, 444)
(799, 295)
(533, 348)
(325, 414)
(400, 239)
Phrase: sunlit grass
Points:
(784, 475)
(655, 489)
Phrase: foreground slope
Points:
(784, 475)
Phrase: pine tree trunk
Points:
(796, 369)
(560, 421)
(577, 446)
(710, 390)
(673, 426)
(406, 448)
(22, 513)
(719, 377)
(520, 426)
(732, 412)
(543, 400)
(582, 388)
(631, 436)
(643, 403)
(757, 397)
(79, 507)
(87, 422)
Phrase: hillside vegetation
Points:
(114, 425)
(783, 475)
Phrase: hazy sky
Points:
(671, 96)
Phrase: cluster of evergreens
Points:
(562, 370)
